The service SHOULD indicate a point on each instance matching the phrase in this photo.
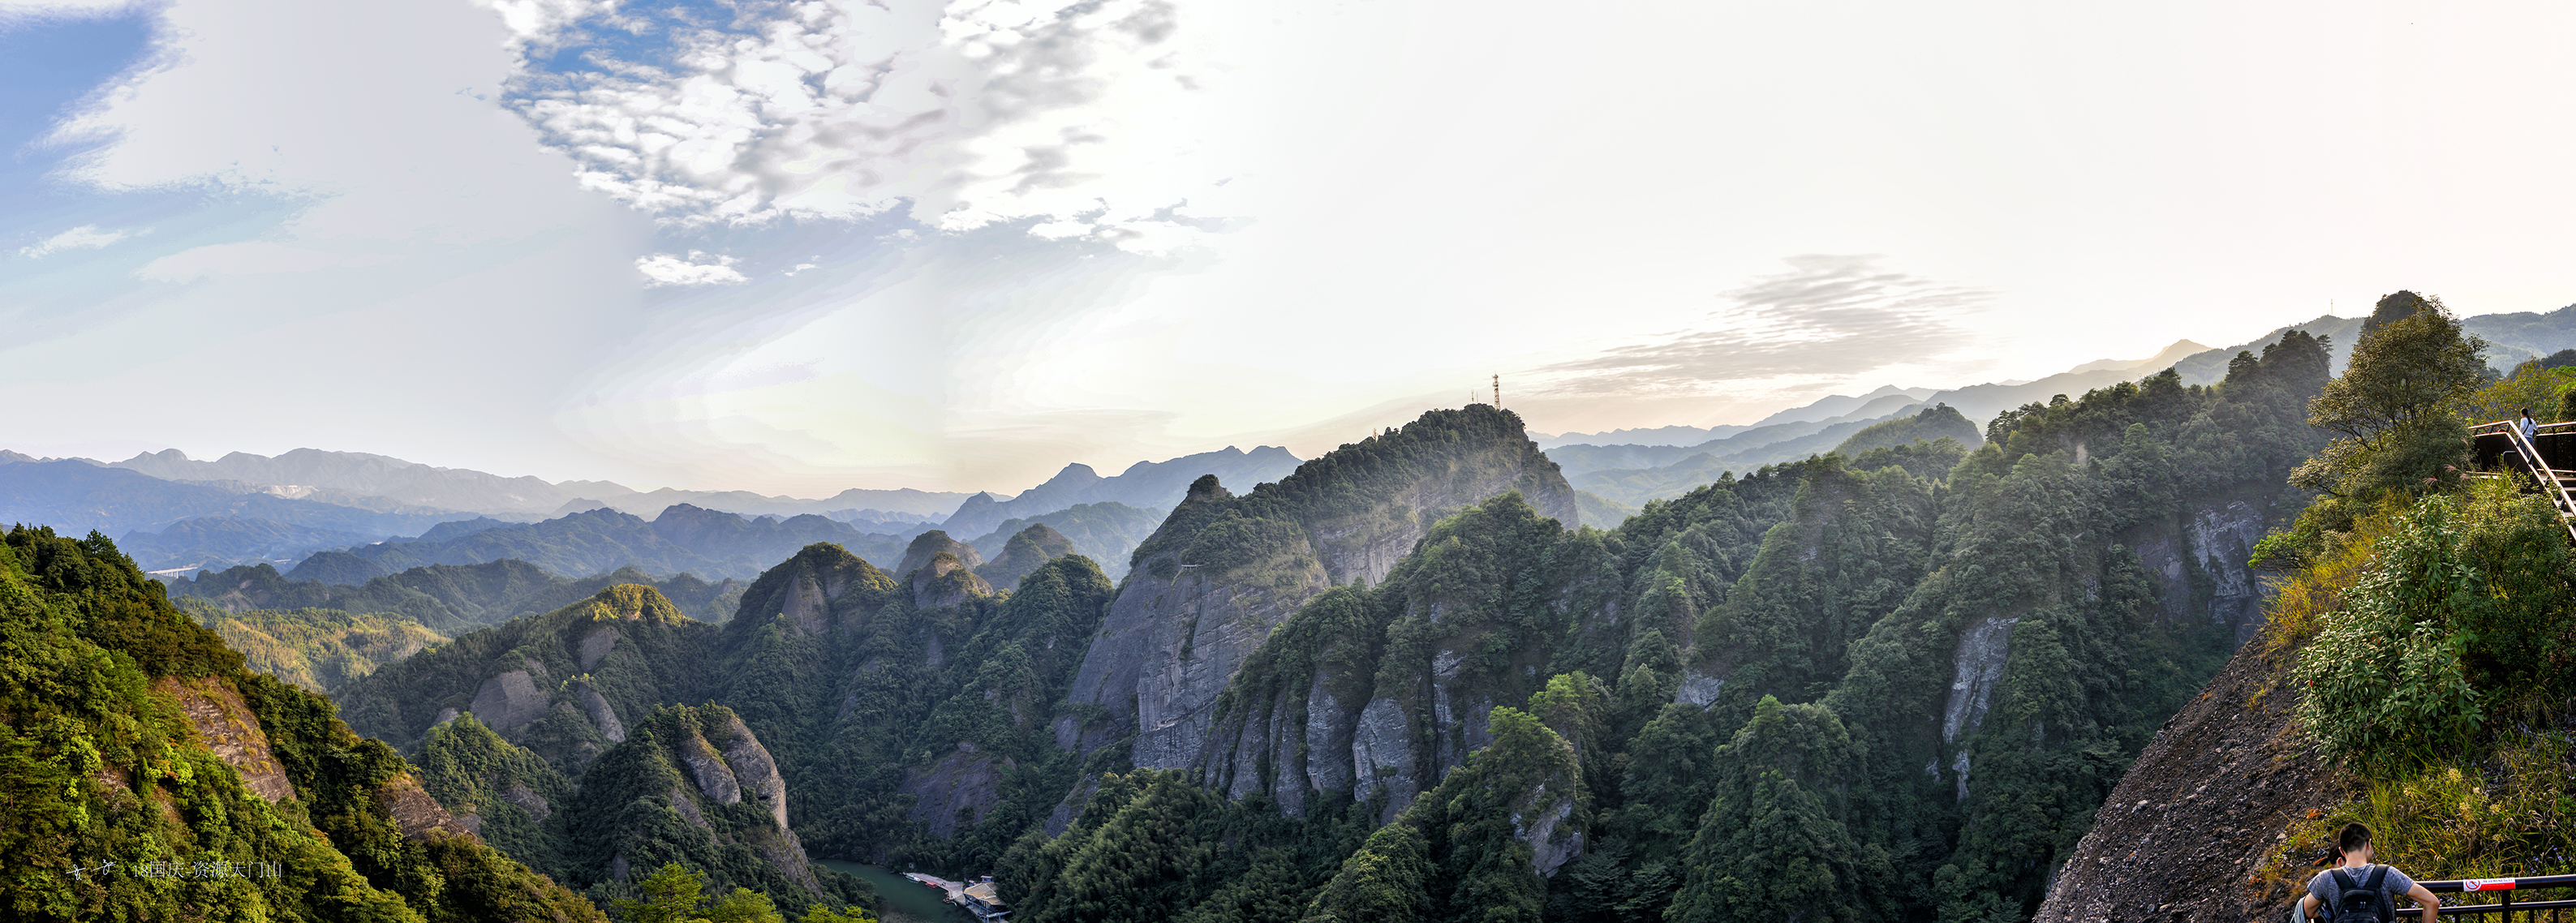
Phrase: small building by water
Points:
(982, 900)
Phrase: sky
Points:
(797, 247)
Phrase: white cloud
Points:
(973, 113)
(242, 259)
(85, 237)
(662, 269)
(65, 8)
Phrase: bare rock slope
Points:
(2194, 820)
(1224, 570)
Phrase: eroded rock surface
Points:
(509, 700)
(229, 729)
(1188, 617)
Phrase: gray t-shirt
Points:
(2325, 888)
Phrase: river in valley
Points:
(905, 901)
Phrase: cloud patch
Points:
(663, 269)
(965, 114)
(1827, 317)
(85, 237)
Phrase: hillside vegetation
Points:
(2414, 674)
(316, 650)
(447, 598)
(148, 775)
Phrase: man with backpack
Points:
(2358, 891)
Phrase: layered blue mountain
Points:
(361, 475)
(684, 539)
(1152, 486)
(75, 497)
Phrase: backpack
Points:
(2362, 901)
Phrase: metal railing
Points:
(2505, 888)
(2545, 474)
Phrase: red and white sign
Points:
(2486, 884)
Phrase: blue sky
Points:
(796, 247)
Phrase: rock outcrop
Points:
(944, 582)
(932, 544)
(226, 725)
(1224, 572)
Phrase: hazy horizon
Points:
(798, 248)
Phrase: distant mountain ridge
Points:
(360, 474)
(1796, 439)
(1830, 407)
(1152, 486)
(76, 496)
(683, 539)
(449, 598)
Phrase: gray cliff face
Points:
(1552, 842)
(730, 765)
(753, 768)
(958, 791)
(2200, 569)
(508, 701)
(1974, 673)
(1170, 646)
(1182, 627)
(1382, 754)
(601, 715)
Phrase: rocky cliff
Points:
(567, 684)
(1225, 570)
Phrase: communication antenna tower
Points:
(1498, 392)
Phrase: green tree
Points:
(1387, 881)
(671, 895)
(1774, 838)
(2393, 407)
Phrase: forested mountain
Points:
(316, 650)
(1106, 532)
(1638, 486)
(1890, 685)
(1225, 570)
(449, 598)
(1918, 668)
(1151, 486)
(924, 718)
(1931, 425)
(683, 539)
(149, 777)
(220, 542)
(1762, 445)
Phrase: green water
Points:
(905, 901)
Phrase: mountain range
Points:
(1403, 668)
(1154, 486)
